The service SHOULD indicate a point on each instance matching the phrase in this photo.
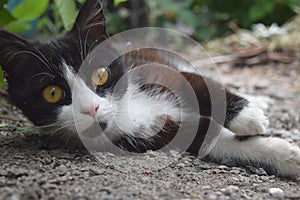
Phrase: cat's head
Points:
(41, 76)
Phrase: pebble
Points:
(197, 162)
(14, 197)
(175, 154)
(223, 167)
(206, 187)
(181, 165)
(231, 189)
(276, 192)
(212, 197)
(62, 170)
(95, 171)
(196, 196)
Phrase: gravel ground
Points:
(31, 169)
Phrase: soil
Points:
(31, 169)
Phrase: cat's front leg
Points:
(245, 117)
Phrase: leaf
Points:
(190, 18)
(117, 2)
(293, 3)
(67, 11)
(30, 9)
(1, 78)
(81, 1)
(5, 17)
(18, 26)
(260, 9)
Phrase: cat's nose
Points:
(91, 111)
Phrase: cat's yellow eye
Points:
(100, 76)
(53, 94)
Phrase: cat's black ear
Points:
(90, 24)
(10, 44)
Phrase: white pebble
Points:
(276, 192)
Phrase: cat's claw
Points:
(249, 122)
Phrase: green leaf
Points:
(190, 18)
(67, 11)
(1, 78)
(18, 26)
(117, 2)
(5, 17)
(81, 1)
(293, 3)
(30, 9)
(260, 9)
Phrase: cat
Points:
(42, 77)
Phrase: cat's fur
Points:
(31, 66)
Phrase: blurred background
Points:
(201, 19)
(260, 26)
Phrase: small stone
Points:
(197, 162)
(206, 187)
(174, 153)
(14, 197)
(276, 192)
(212, 197)
(94, 171)
(222, 167)
(62, 170)
(181, 165)
(231, 190)
(152, 154)
(235, 171)
(196, 196)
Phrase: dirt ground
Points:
(31, 169)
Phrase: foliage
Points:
(19, 18)
(67, 11)
(208, 18)
(211, 18)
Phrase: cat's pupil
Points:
(52, 92)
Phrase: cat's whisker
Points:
(80, 48)
(33, 54)
(42, 76)
(57, 126)
(90, 26)
(44, 57)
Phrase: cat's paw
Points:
(249, 122)
(286, 159)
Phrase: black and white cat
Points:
(42, 78)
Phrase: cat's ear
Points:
(10, 44)
(90, 24)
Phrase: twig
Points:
(23, 129)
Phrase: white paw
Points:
(286, 158)
(249, 122)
